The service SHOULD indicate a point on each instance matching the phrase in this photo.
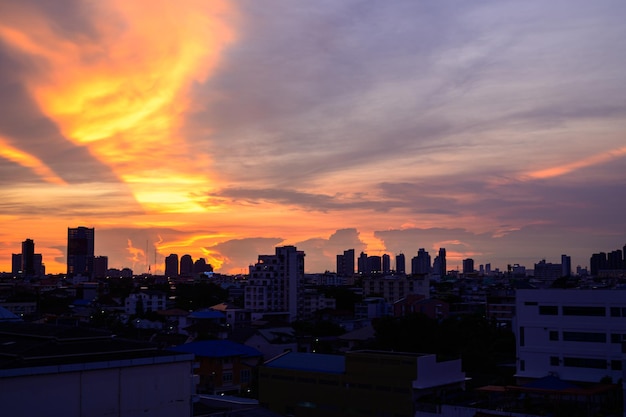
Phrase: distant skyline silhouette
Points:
(224, 129)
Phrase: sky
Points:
(222, 129)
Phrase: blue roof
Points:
(217, 349)
(208, 314)
(313, 362)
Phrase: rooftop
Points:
(313, 362)
(217, 349)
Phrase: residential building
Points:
(223, 366)
(417, 304)
(392, 288)
(400, 264)
(276, 283)
(144, 301)
(575, 334)
(468, 266)
(345, 264)
(386, 264)
(420, 264)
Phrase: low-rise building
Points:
(361, 383)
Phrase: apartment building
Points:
(570, 333)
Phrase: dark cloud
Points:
(321, 253)
(239, 253)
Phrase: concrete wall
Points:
(159, 389)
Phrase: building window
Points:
(521, 336)
(554, 361)
(522, 365)
(245, 375)
(616, 365)
(530, 303)
(584, 311)
(227, 377)
(584, 363)
(584, 337)
(617, 337)
(554, 335)
(549, 310)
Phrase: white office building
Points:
(573, 334)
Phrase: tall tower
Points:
(442, 262)
(28, 257)
(80, 250)
(386, 264)
(400, 264)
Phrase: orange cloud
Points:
(29, 161)
(123, 92)
(573, 166)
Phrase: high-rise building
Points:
(362, 264)
(277, 283)
(100, 266)
(468, 266)
(16, 264)
(171, 265)
(80, 250)
(386, 264)
(345, 263)
(186, 265)
(400, 264)
(420, 264)
(442, 264)
(28, 257)
(566, 266)
(374, 264)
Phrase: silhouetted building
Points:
(597, 263)
(100, 266)
(171, 265)
(80, 251)
(440, 264)
(362, 264)
(16, 264)
(420, 264)
(374, 264)
(468, 266)
(386, 264)
(200, 266)
(566, 266)
(400, 264)
(28, 255)
(547, 271)
(345, 263)
(186, 265)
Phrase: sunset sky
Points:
(221, 129)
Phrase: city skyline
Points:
(225, 129)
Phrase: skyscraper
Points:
(28, 257)
(566, 266)
(100, 266)
(80, 250)
(400, 264)
(468, 266)
(420, 264)
(345, 263)
(171, 265)
(186, 265)
(386, 264)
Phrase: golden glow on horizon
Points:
(122, 93)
